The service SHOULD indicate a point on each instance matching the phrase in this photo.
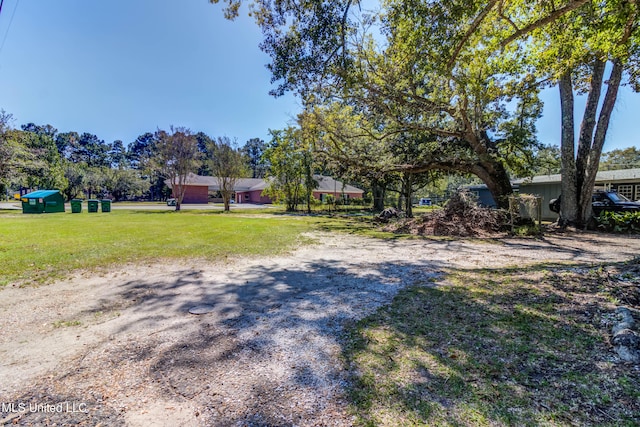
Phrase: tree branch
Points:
(474, 26)
(544, 21)
(506, 18)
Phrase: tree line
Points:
(83, 165)
(399, 94)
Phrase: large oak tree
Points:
(466, 71)
(389, 66)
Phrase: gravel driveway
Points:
(121, 348)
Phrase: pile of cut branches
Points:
(460, 217)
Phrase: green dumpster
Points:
(92, 205)
(76, 205)
(43, 201)
(106, 205)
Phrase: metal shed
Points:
(43, 201)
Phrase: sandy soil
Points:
(121, 348)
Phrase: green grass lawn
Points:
(509, 347)
(34, 248)
(506, 347)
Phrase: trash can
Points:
(106, 205)
(92, 205)
(76, 206)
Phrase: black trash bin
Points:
(76, 206)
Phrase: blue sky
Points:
(120, 68)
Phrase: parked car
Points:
(603, 200)
(171, 202)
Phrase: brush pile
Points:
(461, 217)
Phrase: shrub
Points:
(368, 198)
(315, 202)
(619, 222)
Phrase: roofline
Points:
(342, 188)
(606, 176)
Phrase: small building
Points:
(339, 190)
(196, 189)
(249, 190)
(43, 201)
(485, 198)
(624, 181)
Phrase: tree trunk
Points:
(490, 170)
(500, 187)
(569, 201)
(408, 185)
(579, 172)
(308, 184)
(495, 177)
(595, 148)
(378, 192)
(589, 122)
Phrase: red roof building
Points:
(249, 190)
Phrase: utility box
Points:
(76, 206)
(106, 205)
(92, 205)
(42, 201)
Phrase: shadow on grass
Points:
(270, 339)
(499, 347)
(517, 346)
(173, 211)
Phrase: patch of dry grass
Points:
(497, 347)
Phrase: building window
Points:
(626, 191)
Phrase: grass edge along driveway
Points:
(37, 248)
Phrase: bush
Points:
(619, 222)
(368, 198)
(315, 202)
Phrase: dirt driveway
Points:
(121, 348)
